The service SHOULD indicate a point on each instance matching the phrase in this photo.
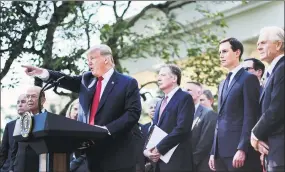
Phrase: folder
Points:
(155, 137)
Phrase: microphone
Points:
(54, 83)
(46, 87)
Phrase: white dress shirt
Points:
(106, 77)
(273, 64)
(196, 107)
(234, 72)
(170, 94)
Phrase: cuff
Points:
(107, 130)
(254, 137)
(44, 75)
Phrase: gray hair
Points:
(104, 49)
(275, 34)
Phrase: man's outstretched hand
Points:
(32, 70)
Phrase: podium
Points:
(54, 137)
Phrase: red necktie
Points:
(96, 100)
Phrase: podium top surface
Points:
(48, 125)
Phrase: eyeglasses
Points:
(248, 68)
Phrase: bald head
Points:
(33, 94)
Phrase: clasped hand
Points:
(152, 154)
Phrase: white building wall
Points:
(244, 23)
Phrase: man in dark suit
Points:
(256, 67)
(203, 129)
(174, 115)
(268, 134)
(7, 140)
(238, 109)
(109, 100)
(24, 158)
(150, 110)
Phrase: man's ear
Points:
(238, 52)
(279, 45)
(43, 100)
(175, 78)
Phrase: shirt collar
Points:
(273, 63)
(196, 106)
(42, 111)
(235, 70)
(171, 93)
(108, 75)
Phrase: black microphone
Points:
(54, 83)
(46, 87)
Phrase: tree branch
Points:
(33, 51)
(115, 10)
(21, 9)
(165, 7)
(180, 4)
(126, 9)
(36, 15)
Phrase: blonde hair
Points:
(69, 109)
(105, 50)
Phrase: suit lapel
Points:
(270, 78)
(110, 85)
(235, 79)
(197, 115)
(220, 94)
(169, 104)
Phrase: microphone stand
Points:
(46, 87)
(41, 92)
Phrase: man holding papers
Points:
(174, 116)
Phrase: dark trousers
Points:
(275, 169)
(226, 165)
(131, 169)
(203, 166)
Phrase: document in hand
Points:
(156, 136)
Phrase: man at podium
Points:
(23, 157)
(107, 99)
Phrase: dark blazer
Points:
(145, 129)
(176, 120)
(119, 110)
(270, 127)
(24, 158)
(237, 114)
(203, 130)
(7, 145)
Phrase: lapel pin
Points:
(112, 82)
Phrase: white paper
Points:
(156, 136)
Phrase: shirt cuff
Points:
(254, 137)
(44, 75)
(107, 130)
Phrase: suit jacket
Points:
(270, 126)
(176, 120)
(203, 130)
(119, 110)
(7, 145)
(145, 129)
(24, 158)
(237, 114)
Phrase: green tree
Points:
(35, 27)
